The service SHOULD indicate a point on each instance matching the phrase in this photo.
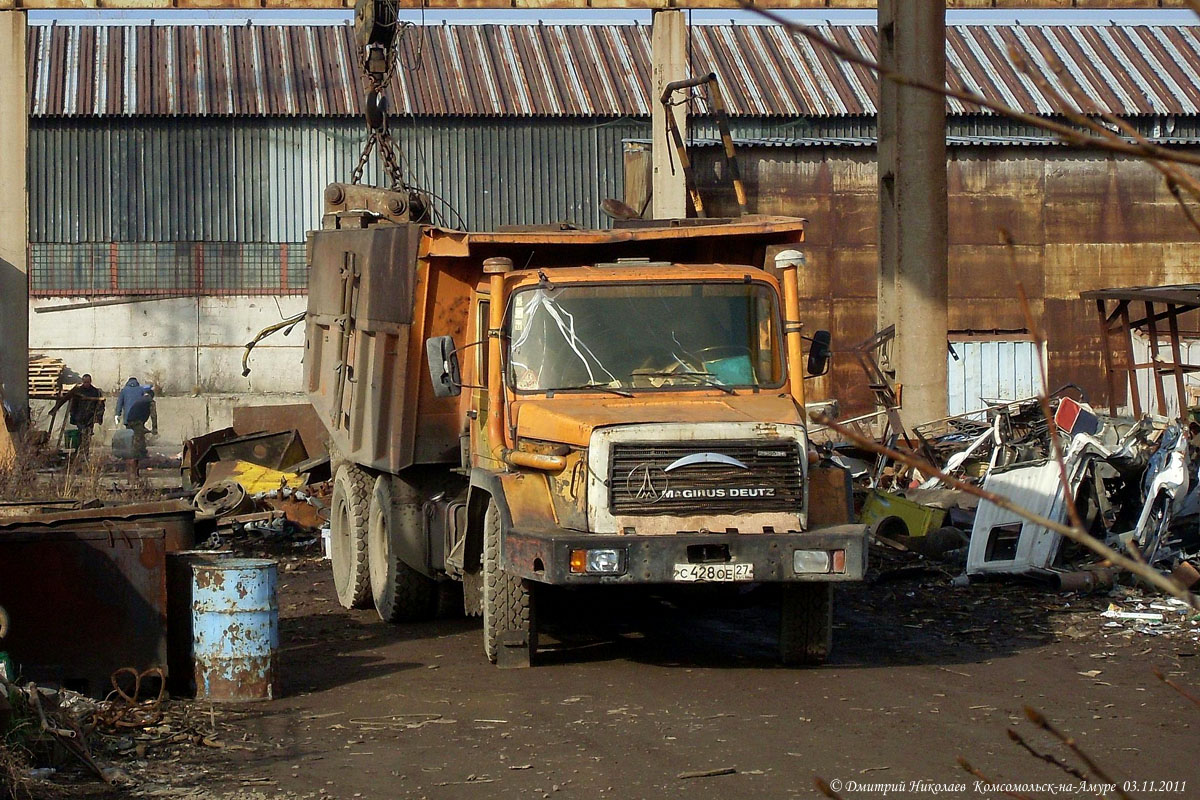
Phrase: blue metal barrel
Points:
(235, 622)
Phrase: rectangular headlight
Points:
(605, 562)
(810, 561)
(602, 561)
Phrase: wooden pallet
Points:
(45, 377)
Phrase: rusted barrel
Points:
(181, 662)
(235, 622)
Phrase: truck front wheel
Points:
(509, 618)
(401, 594)
(348, 535)
(806, 623)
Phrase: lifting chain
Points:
(378, 48)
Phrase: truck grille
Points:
(688, 478)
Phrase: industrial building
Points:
(186, 163)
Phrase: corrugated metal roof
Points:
(871, 141)
(577, 70)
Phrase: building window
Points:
(97, 269)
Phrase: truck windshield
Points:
(644, 336)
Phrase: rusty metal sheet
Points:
(277, 450)
(175, 517)
(84, 603)
(197, 454)
(300, 417)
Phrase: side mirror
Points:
(818, 354)
(444, 372)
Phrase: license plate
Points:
(692, 573)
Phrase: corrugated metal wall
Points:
(244, 180)
(984, 371)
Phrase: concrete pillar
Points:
(669, 41)
(913, 273)
(14, 212)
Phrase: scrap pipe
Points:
(721, 115)
(788, 263)
(717, 101)
(680, 148)
(288, 323)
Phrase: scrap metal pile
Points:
(1132, 477)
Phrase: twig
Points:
(1044, 404)
(1049, 759)
(1082, 537)
(1065, 132)
(825, 789)
(707, 773)
(962, 762)
(1186, 694)
(1172, 174)
(1037, 718)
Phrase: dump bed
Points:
(376, 294)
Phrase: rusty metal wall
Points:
(1056, 220)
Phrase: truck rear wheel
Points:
(348, 535)
(509, 615)
(806, 623)
(401, 593)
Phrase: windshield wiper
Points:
(707, 377)
(602, 387)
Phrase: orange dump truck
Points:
(531, 410)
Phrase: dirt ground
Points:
(632, 694)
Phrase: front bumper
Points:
(546, 556)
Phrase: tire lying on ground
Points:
(348, 535)
(806, 623)
(400, 593)
(508, 601)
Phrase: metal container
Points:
(235, 621)
(181, 675)
(83, 603)
(176, 517)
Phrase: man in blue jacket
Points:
(137, 414)
(131, 392)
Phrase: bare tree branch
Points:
(1065, 132)
(826, 790)
(1049, 759)
(1172, 173)
(1186, 694)
(966, 765)
(1044, 404)
(1039, 719)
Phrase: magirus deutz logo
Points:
(649, 483)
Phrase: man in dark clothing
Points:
(85, 412)
(137, 414)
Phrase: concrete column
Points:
(669, 40)
(913, 273)
(14, 211)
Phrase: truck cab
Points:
(596, 408)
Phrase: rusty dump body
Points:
(617, 406)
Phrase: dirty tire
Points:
(348, 535)
(507, 600)
(400, 593)
(806, 623)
